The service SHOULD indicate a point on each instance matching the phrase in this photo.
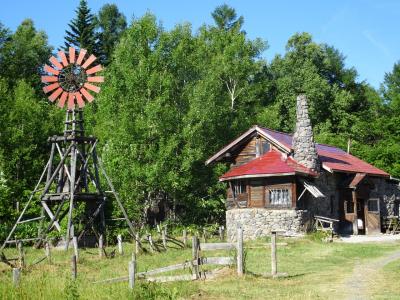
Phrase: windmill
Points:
(69, 188)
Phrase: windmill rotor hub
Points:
(72, 78)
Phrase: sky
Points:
(365, 31)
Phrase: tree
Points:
(337, 101)
(225, 17)
(82, 30)
(111, 23)
(170, 100)
(23, 53)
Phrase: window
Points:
(279, 197)
(373, 205)
(265, 147)
(349, 206)
(239, 187)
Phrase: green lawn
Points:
(316, 271)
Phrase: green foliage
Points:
(23, 53)
(153, 291)
(71, 289)
(81, 33)
(225, 18)
(110, 23)
(170, 100)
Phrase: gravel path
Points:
(363, 274)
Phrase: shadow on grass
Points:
(267, 275)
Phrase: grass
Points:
(385, 283)
(316, 271)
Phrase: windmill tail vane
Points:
(69, 78)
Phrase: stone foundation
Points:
(258, 222)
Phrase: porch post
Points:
(355, 221)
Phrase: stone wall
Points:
(257, 222)
(327, 183)
(389, 194)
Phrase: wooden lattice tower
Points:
(69, 187)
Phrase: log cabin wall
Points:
(263, 193)
(255, 147)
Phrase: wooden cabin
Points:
(270, 187)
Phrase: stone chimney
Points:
(304, 149)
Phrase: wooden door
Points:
(373, 216)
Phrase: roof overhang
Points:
(257, 176)
(248, 133)
(331, 170)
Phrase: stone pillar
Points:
(304, 149)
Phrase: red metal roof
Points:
(332, 158)
(269, 164)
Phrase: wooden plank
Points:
(73, 267)
(184, 238)
(217, 246)
(165, 269)
(16, 276)
(132, 269)
(239, 254)
(224, 260)
(31, 220)
(186, 277)
(120, 249)
(51, 215)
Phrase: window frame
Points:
(270, 188)
(239, 187)
(377, 205)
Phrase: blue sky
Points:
(365, 31)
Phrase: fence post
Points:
(21, 255)
(16, 273)
(48, 251)
(137, 237)
(74, 267)
(132, 271)
(274, 263)
(240, 251)
(101, 241)
(204, 235)
(184, 238)
(75, 244)
(195, 255)
(120, 249)
(164, 240)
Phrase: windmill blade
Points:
(87, 95)
(94, 69)
(96, 79)
(62, 100)
(51, 87)
(92, 87)
(63, 57)
(89, 61)
(81, 56)
(49, 79)
(71, 55)
(79, 100)
(56, 63)
(51, 70)
(71, 98)
(55, 94)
